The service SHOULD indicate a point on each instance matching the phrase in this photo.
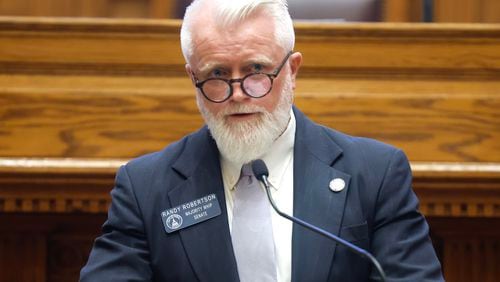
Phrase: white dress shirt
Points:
(279, 161)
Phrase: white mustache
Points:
(242, 109)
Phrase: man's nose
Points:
(238, 94)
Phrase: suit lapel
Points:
(207, 244)
(314, 202)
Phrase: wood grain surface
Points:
(117, 88)
(78, 98)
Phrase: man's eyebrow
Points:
(260, 60)
(208, 67)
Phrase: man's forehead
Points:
(251, 40)
(226, 48)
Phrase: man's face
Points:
(233, 53)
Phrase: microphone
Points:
(260, 171)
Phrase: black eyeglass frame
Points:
(272, 76)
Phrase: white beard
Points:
(244, 141)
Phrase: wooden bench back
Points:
(115, 89)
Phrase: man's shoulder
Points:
(351, 144)
(166, 155)
(164, 158)
(362, 154)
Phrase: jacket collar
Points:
(315, 154)
(207, 244)
(313, 138)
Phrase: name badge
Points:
(190, 213)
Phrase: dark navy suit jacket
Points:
(377, 211)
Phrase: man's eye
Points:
(257, 68)
(217, 73)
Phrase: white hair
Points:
(231, 12)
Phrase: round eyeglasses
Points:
(255, 85)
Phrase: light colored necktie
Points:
(252, 233)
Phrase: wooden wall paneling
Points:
(348, 82)
(485, 11)
(444, 11)
(468, 11)
(129, 8)
(12, 267)
(68, 252)
(163, 9)
(490, 12)
(90, 8)
(45, 247)
(23, 255)
(449, 11)
(20, 8)
(478, 259)
(51, 8)
(80, 97)
(13, 7)
(402, 10)
(69, 226)
(416, 124)
(470, 247)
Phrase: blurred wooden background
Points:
(444, 11)
(80, 96)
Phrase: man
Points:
(180, 215)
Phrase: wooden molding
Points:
(328, 48)
(83, 185)
(56, 186)
(458, 189)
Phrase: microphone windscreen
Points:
(259, 169)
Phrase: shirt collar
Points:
(277, 158)
(280, 153)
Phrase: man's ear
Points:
(295, 62)
(189, 72)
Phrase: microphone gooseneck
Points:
(261, 172)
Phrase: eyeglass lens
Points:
(255, 85)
